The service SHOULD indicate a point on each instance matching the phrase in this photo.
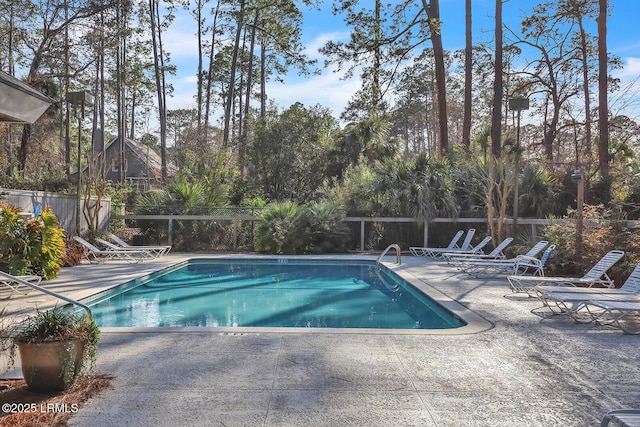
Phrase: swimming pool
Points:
(280, 293)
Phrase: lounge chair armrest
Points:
(527, 261)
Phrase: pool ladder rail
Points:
(391, 246)
(69, 301)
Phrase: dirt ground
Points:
(23, 408)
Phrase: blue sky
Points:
(329, 90)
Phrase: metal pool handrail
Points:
(47, 291)
(394, 246)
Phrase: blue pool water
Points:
(272, 293)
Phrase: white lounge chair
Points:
(13, 282)
(93, 254)
(525, 264)
(473, 250)
(570, 299)
(531, 266)
(421, 251)
(612, 311)
(496, 253)
(111, 247)
(621, 417)
(158, 250)
(597, 276)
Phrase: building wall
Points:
(64, 206)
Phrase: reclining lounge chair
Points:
(93, 254)
(570, 299)
(613, 313)
(495, 254)
(157, 250)
(597, 276)
(622, 417)
(525, 264)
(13, 282)
(422, 251)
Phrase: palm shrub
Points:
(289, 228)
(283, 229)
(182, 196)
(327, 227)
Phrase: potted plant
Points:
(55, 346)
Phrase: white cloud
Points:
(327, 90)
(626, 101)
(181, 40)
(312, 48)
(631, 69)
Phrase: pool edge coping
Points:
(474, 322)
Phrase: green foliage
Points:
(366, 140)
(421, 187)
(602, 232)
(30, 246)
(187, 197)
(283, 229)
(289, 228)
(355, 193)
(53, 325)
(46, 244)
(13, 241)
(288, 154)
(538, 191)
(38, 181)
(328, 229)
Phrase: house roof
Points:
(145, 154)
(20, 103)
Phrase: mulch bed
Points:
(20, 407)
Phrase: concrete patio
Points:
(523, 371)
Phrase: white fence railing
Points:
(534, 223)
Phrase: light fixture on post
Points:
(577, 177)
(517, 104)
(79, 99)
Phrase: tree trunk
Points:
(585, 89)
(603, 116)
(263, 79)
(120, 67)
(159, 73)
(214, 29)
(435, 26)
(468, 76)
(243, 139)
(496, 117)
(232, 78)
(199, 96)
(377, 55)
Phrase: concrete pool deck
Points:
(523, 371)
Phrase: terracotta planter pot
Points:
(51, 366)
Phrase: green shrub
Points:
(30, 246)
(289, 228)
(328, 230)
(283, 229)
(602, 232)
(13, 241)
(46, 244)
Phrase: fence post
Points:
(170, 232)
(235, 235)
(362, 235)
(426, 234)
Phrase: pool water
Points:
(271, 293)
